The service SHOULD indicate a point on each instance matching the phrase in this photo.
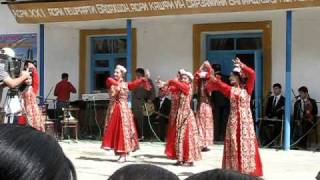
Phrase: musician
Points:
(162, 107)
(305, 115)
(274, 110)
(63, 90)
(139, 95)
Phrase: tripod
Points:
(13, 108)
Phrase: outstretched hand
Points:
(237, 61)
(159, 82)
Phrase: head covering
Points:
(181, 71)
(189, 74)
(121, 68)
(237, 68)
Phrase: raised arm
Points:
(35, 80)
(184, 87)
(215, 84)
(138, 82)
(111, 82)
(251, 75)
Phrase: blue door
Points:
(223, 48)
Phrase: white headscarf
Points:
(237, 68)
(189, 74)
(122, 69)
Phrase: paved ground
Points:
(93, 163)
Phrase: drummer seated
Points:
(274, 110)
(162, 107)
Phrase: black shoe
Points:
(205, 149)
(178, 163)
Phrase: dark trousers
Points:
(138, 118)
(303, 129)
(59, 114)
(221, 114)
(269, 130)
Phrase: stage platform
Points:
(91, 162)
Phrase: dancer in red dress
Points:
(120, 131)
(204, 115)
(241, 151)
(29, 96)
(171, 133)
(187, 145)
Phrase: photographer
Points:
(7, 80)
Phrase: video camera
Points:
(13, 65)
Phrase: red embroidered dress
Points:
(187, 145)
(120, 131)
(171, 133)
(241, 151)
(204, 115)
(32, 110)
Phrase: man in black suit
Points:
(162, 107)
(221, 106)
(274, 110)
(305, 115)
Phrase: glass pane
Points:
(102, 63)
(249, 43)
(222, 44)
(100, 78)
(119, 46)
(121, 61)
(102, 46)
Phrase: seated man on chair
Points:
(274, 110)
(162, 106)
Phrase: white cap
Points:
(237, 68)
(189, 74)
(121, 68)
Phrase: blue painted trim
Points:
(286, 143)
(41, 61)
(236, 35)
(129, 49)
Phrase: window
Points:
(249, 43)
(106, 53)
(222, 44)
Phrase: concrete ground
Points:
(91, 162)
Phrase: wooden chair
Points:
(69, 122)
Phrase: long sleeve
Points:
(218, 85)
(169, 89)
(110, 81)
(184, 87)
(251, 78)
(35, 81)
(72, 88)
(134, 84)
(56, 90)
